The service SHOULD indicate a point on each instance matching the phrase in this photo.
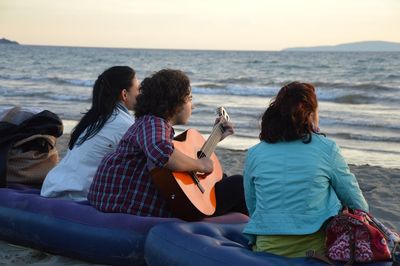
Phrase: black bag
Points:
(27, 145)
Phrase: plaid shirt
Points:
(122, 182)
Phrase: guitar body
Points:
(183, 195)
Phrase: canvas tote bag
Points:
(28, 145)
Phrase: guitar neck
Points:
(212, 141)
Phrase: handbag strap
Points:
(352, 248)
(396, 254)
(318, 256)
(12, 115)
(4, 151)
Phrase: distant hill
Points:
(367, 46)
(6, 41)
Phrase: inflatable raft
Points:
(77, 230)
(199, 244)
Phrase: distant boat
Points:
(6, 41)
(366, 46)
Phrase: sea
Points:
(358, 92)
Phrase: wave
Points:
(9, 77)
(335, 95)
(322, 66)
(250, 128)
(354, 136)
(367, 124)
(73, 98)
(221, 83)
(209, 85)
(242, 131)
(368, 150)
(255, 62)
(45, 95)
(352, 99)
(16, 92)
(236, 90)
(76, 82)
(296, 67)
(364, 99)
(358, 86)
(54, 80)
(393, 76)
(239, 80)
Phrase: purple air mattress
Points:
(77, 230)
(199, 244)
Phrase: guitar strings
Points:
(214, 139)
(216, 136)
(211, 143)
(206, 149)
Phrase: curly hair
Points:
(290, 115)
(162, 94)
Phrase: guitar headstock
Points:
(222, 112)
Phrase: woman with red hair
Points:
(295, 179)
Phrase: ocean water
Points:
(358, 92)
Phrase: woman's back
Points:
(291, 181)
(72, 177)
(96, 134)
(295, 179)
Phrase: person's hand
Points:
(227, 126)
(206, 166)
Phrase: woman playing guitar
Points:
(123, 182)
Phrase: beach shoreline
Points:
(380, 186)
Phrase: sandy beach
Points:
(380, 186)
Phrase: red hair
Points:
(290, 115)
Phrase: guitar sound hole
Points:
(200, 154)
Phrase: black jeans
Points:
(230, 195)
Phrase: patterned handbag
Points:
(356, 236)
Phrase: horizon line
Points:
(204, 49)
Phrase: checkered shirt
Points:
(122, 182)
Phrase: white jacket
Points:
(72, 177)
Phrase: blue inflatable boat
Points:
(199, 244)
(77, 230)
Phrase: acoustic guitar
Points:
(190, 196)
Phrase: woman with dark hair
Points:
(295, 179)
(96, 134)
(122, 182)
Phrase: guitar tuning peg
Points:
(222, 112)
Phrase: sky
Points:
(199, 24)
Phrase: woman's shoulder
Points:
(257, 148)
(122, 117)
(117, 125)
(318, 141)
(325, 145)
(323, 140)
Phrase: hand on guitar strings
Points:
(206, 166)
(226, 126)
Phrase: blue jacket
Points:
(292, 188)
